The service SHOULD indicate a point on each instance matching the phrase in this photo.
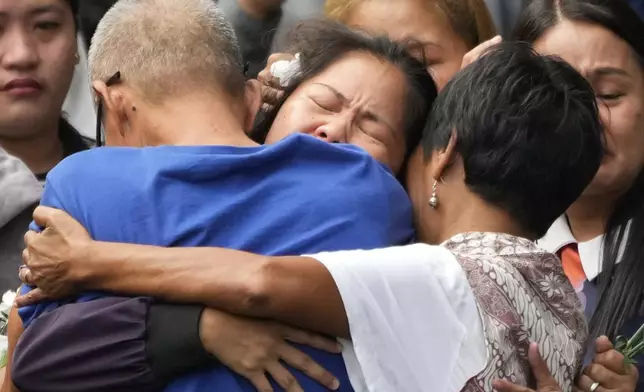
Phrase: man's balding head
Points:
(167, 47)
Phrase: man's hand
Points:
(53, 258)
(608, 370)
(254, 348)
(545, 381)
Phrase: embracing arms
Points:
(58, 258)
(296, 290)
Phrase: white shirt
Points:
(590, 252)
(413, 319)
(79, 106)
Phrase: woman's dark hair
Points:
(71, 139)
(527, 130)
(321, 43)
(74, 5)
(621, 286)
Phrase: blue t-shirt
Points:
(298, 196)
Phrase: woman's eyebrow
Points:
(366, 113)
(334, 91)
(607, 71)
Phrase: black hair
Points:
(69, 136)
(527, 130)
(320, 43)
(621, 286)
(74, 5)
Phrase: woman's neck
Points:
(40, 152)
(587, 217)
(478, 216)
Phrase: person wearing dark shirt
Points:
(638, 6)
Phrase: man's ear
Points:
(253, 102)
(113, 104)
(100, 89)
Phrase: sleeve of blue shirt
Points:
(29, 313)
(54, 354)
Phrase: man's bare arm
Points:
(296, 290)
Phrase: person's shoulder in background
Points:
(295, 11)
(18, 198)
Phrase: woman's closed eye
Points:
(326, 100)
(610, 96)
(372, 127)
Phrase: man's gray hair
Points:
(163, 46)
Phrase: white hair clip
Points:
(286, 70)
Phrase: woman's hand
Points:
(254, 348)
(545, 381)
(272, 90)
(479, 51)
(608, 371)
(53, 258)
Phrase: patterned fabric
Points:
(523, 296)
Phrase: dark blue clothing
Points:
(298, 196)
(588, 293)
(638, 6)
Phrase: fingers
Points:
(302, 362)
(32, 297)
(603, 344)
(29, 237)
(507, 386)
(477, 52)
(311, 339)
(43, 216)
(265, 76)
(586, 382)
(25, 275)
(602, 375)
(612, 360)
(260, 382)
(271, 96)
(540, 368)
(283, 377)
(271, 88)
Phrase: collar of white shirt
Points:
(590, 252)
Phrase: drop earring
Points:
(433, 201)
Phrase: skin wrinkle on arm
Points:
(298, 291)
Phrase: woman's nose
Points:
(334, 131)
(330, 134)
(18, 53)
